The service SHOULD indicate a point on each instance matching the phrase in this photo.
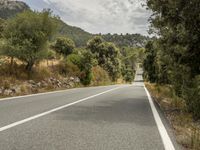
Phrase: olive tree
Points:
(64, 46)
(26, 37)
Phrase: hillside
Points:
(10, 8)
(78, 35)
(128, 40)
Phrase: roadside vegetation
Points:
(172, 64)
(34, 59)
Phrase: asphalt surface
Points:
(120, 119)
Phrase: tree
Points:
(26, 37)
(84, 61)
(94, 43)
(177, 24)
(107, 56)
(2, 26)
(64, 46)
(127, 73)
(149, 63)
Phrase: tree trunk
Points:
(29, 67)
(11, 65)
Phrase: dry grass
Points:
(100, 76)
(187, 130)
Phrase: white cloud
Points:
(100, 16)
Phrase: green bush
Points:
(64, 46)
(86, 77)
(192, 96)
(128, 74)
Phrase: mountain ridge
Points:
(9, 8)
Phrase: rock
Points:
(44, 84)
(71, 78)
(1, 91)
(7, 92)
(34, 86)
(31, 82)
(39, 84)
(71, 84)
(77, 80)
(67, 86)
(51, 79)
(58, 82)
(16, 89)
(59, 85)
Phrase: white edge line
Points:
(53, 110)
(44, 93)
(161, 128)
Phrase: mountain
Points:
(10, 8)
(78, 35)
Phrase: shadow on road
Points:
(114, 109)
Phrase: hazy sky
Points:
(99, 16)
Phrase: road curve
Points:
(117, 117)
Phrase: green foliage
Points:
(192, 95)
(128, 74)
(64, 46)
(84, 61)
(175, 55)
(79, 36)
(75, 59)
(51, 54)
(107, 56)
(130, 57)
(86, 77)
(149, 63)
(86, 66)
(127, 40)
(2, 26)
(26, 37)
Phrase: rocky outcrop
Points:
(31, 86)
(9, 8)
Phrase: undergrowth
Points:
(187, 129)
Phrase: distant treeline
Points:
(128, 40)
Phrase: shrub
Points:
(100, 76)
(192, 97)
(41, 73)
(64, 46)
(86, 77)
(68, 69)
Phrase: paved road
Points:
(115, 117)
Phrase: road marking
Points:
(53, 110)
(161, 128)
(40, 94)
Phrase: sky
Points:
(99, 16)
